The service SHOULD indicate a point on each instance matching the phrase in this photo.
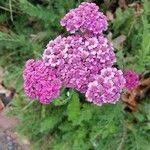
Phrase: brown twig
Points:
(4, 8)
(10, 8)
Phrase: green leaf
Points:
(64, 97)
(85, 114)
(73, 109)
(49, 123)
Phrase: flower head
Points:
(40, 82)
(78, 58)
(87, 18)
(132, 79)
(106, 87)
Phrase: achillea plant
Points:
(70, 122)
(82, 61)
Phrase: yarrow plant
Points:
(82, 61)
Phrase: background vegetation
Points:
(70, 123)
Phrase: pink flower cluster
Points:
(78, 58)
(82, 61)
(87, 18)
(106, 87)
(132, 79)
(40, 82)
